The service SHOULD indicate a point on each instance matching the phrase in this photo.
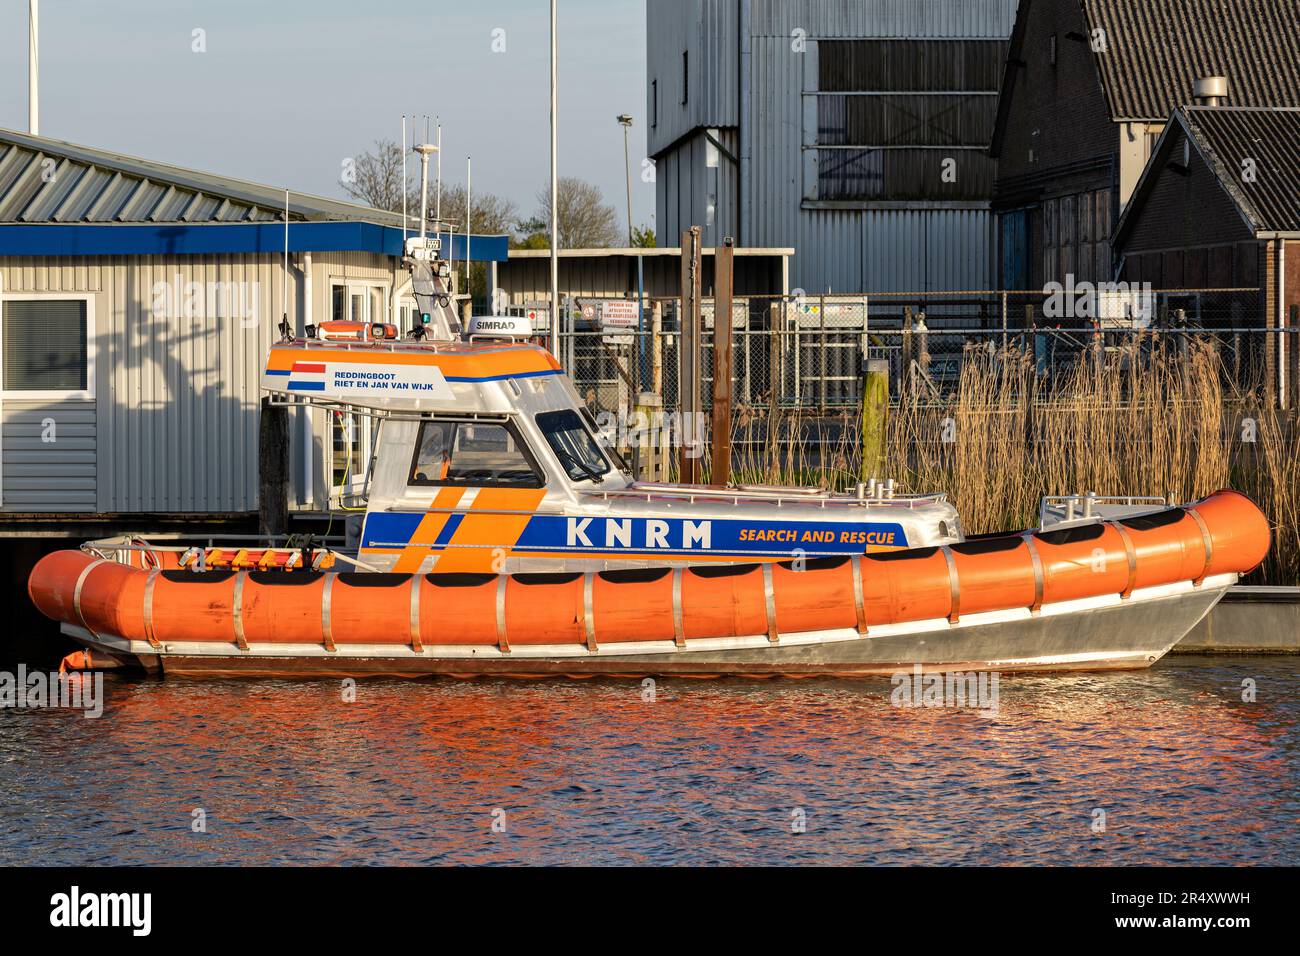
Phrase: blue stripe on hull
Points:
(649, 537)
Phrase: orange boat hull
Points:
(546, 623)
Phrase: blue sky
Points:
(287, 89)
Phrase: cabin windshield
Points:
(471, 453)
(578, 453)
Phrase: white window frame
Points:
(351, 286)
(45, 395)
(407, 306)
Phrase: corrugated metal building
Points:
(137, 302)
(854, 132)
(652, 272)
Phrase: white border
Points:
(56, 395)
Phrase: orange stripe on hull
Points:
(426, 533)
(484, 540)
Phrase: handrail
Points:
(1090, 503)
(736, 496)
(136, 543)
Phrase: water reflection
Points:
(709, 772)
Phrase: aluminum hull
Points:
(1104, 633)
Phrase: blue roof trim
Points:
(121, 239)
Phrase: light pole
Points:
(33, 70)
(555, 202)
(626, 121)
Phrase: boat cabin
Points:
(485, 460)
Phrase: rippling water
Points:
(709, 772)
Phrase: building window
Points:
(358, 302)
(352, 436)
(47, 347)
(654, 104)
(902, 120)
(686, 77)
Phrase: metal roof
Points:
(44, 180)
(1156, 49)
(1228, 137)
(644, 252)
(1225, 138)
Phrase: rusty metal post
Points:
(906, 350)
(723, 287)
(657, 348)
(689, 387)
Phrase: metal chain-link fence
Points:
(808, 352)
(996, 398)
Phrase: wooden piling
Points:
(651, 450)
(273, 473)
(875, 412)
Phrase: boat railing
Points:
(768, 494)
(225, 551)
(1065, 509)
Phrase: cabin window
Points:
(472, 453)
(577, 451)
(47, 347)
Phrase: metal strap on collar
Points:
(327, 612)
(859, 601)
(502, 643)
(1209, 545)
(416, 644)
(954, 586)
(237, 610)
(769, 601)
(1130, 553)
(1037, 561)
(149, 634)
(679, 632)
(76, 594)
(588, 609)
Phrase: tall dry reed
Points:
(1151, 418)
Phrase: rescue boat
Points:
(1094, 595)
(502, 535)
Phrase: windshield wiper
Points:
(591, 473)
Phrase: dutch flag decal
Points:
(307, 377)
